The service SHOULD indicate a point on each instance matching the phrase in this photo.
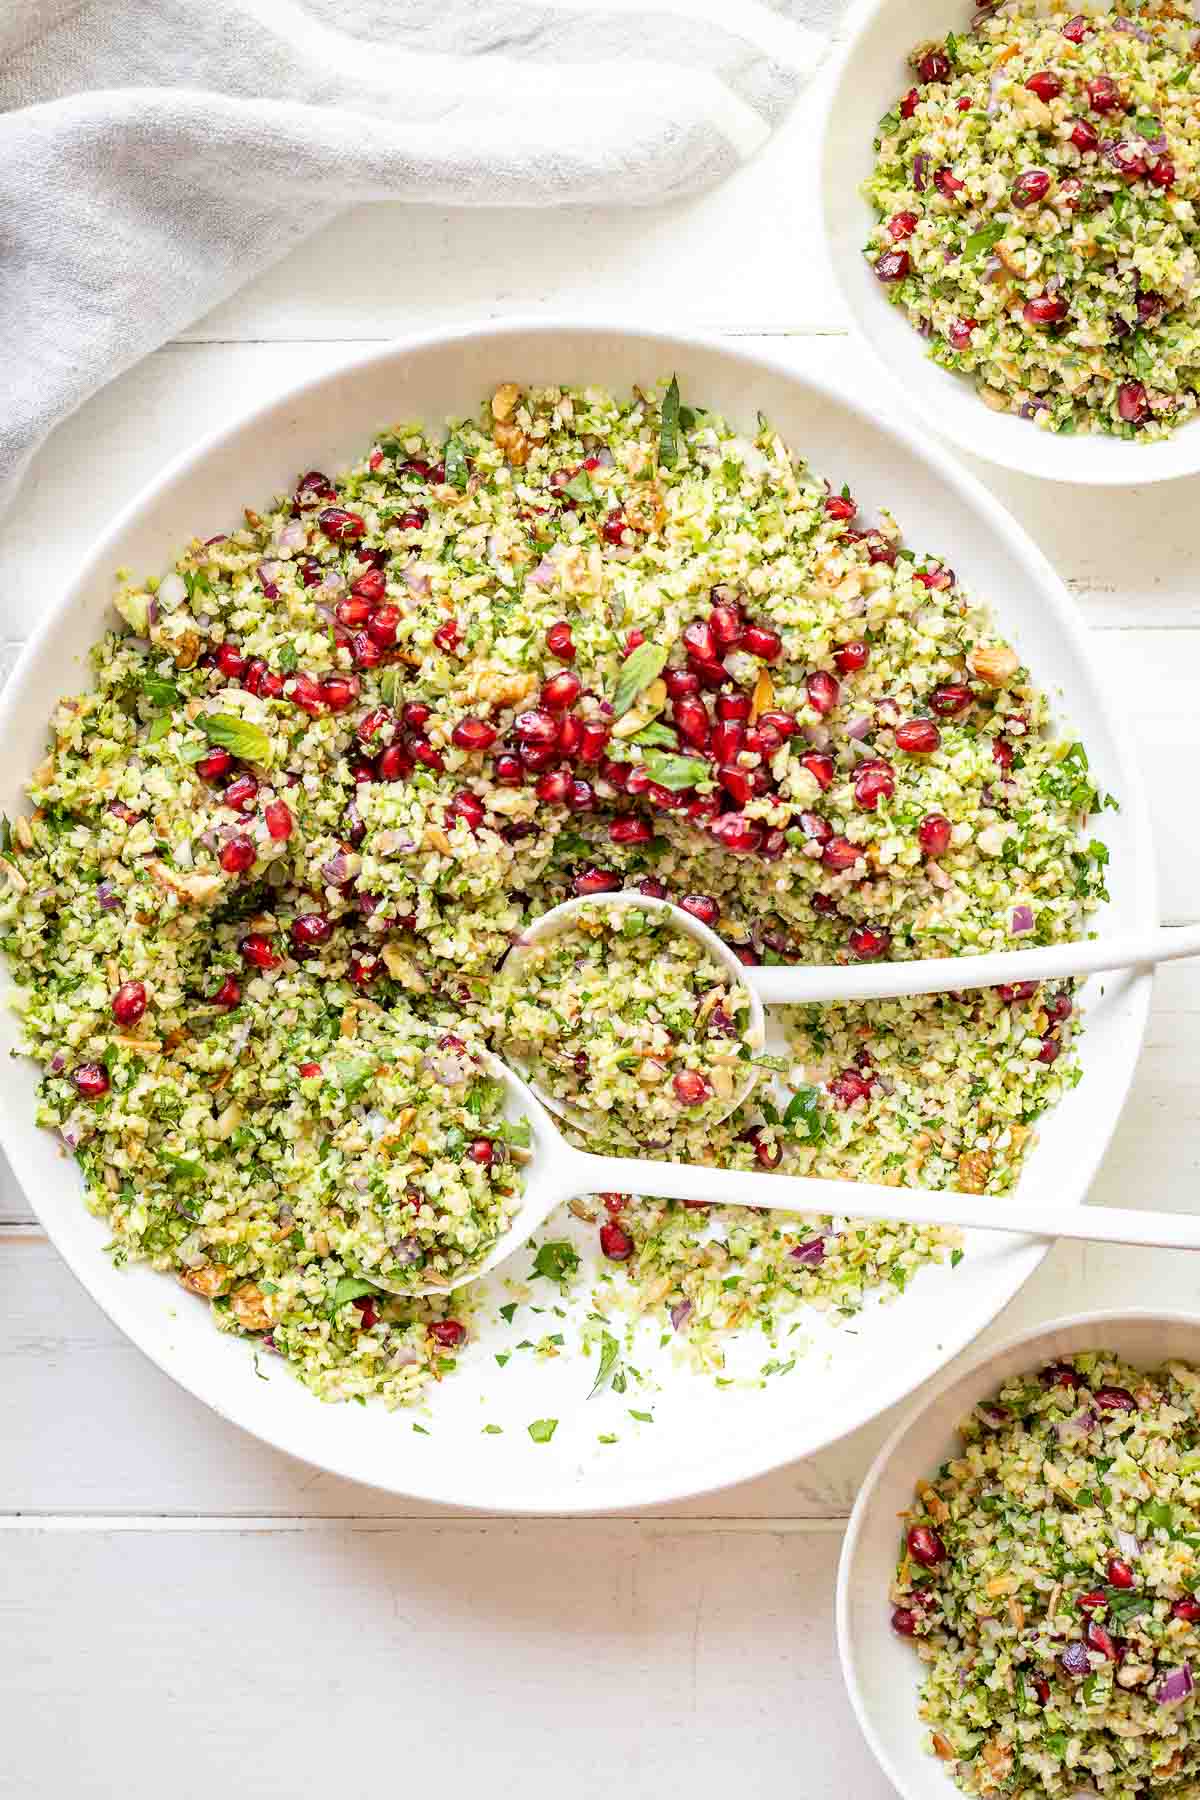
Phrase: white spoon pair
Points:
(557, 1172)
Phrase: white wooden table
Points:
(181, 1607)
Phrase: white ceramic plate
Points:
(702, 1437)
(883, 1674)
(869, 76)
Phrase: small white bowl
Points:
(867, 79)
(882, 1671)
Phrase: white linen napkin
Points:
(155, 154)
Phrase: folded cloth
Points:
(155, 154)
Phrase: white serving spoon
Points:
(556, 1171)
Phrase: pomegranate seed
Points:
(908, 105)
(237, 855)
(1050, 1050)
(278, 816)
(1129, 160)
(365, 968)
(819, 766)
(951, 699)
(1188, 1610)
(554, 787)
(919, 737)
(616, 1244)
(634, 640)
(448, 1333)
(1120, 1575)
(840, 854)
(228, 994)
(736, 781)
(935, 578)
(652, 887)
(1070, 192)
(306, 694)
(733, 708)
(230, 661)
(839, 506)
(592, 740)
(312, 488)
(925, 1546)
(737, 833)
(1133, 403)
(681, 684)
(727, 740)
(558, 641)
(468, 807)
(1002, 753)
(691, 1087)
(373, 724)
(699, 641)
(308, 1069)
(692, 720)
(129, 1002)
(446, 636)
(570, 734)
(311, 572)
(821, 903)
(1115, 1399)
(91, 1080)
(382, 628)
(214, 765)
(241, 794)
(873, 785)
(1059, 1008)
(393, 764)
(960, 333)
(893, 265)
(1163, 173)
(561, 691)
(904, 1621)
(254, 675)
(628, 829)
(1041, 1688)
(340, 526)
(867, 943)
(901, 225)
(1099, 1639)
(483, 1152)
(536, 727)
(473, 734)
(371, 586)
(823, 691)
(767, 1152)
(947, 182)
(582, 797)
(1085, 137)
(1076, 29)
(1020, 991)
(416, 715)
(933, 834)
(1104, 95)
(726, 626)
(536, 757)
(365, 651)
(762, 640)
(256, 950)
(597, 881)
(507, 770)
(934, 66)
(783, 722)
(852, 657)
(614, 528)
(848, 1087)
(311, 930)
(340, 691)
(1045, 84)
(702, 907)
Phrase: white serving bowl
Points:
(869, 75)
(882, 1671)
(702, 1436)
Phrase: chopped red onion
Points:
(858, 727)
(418, 582)
(811, 1254)
(1175, 1686)
(341, 868)
(292, 537)
(817, 736)
(920, 164)
(106, 894)
(218, 539)
(681, 1314)
(1137, 31)
(1022, 920)
(405, 1250)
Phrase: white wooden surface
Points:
(180, 1607)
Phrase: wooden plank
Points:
(622, 1658)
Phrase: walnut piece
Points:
(974, 1167)
(249, 1307)
(996, 665)
(504, 401)
(512, 440)
(207, 1281)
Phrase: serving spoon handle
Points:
(801, 985)
(589, 1173)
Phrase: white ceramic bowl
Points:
(882, 1672)
(702, 1436)
(869, 75)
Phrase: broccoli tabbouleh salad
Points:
(1050, 1581)
(345, 753)
(1036, 193)
(623, 1015)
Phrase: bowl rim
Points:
(971, 494)
(986, 443)
(1099, 1320)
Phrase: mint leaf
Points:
(352, 1075)
(250, 742)
(556, 1260)
(640, 668)
(656, 736)
(160, 692)
(609, 1351)
(803, 1116)
(457, 468)
(668, 431)
(183, 1168)
(542, 1430)
(288, 660)
(580, 488)
(350, 1287)
(506, 1312)
(675, 772)
(986, 238)
(646, 1418)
